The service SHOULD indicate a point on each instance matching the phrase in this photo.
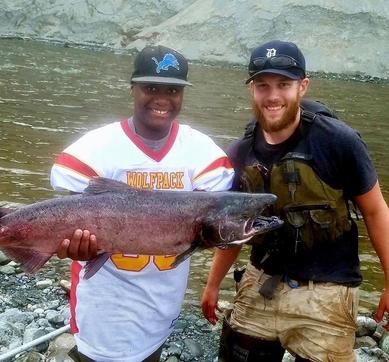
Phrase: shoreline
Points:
(102, 47)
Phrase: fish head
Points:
(241, 205)
(238, 217)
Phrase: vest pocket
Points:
(311, 223)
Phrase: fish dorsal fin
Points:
(99, 185)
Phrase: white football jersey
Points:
(129, 307)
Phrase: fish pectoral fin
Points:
(99, 185)
(93, 265)
(30, 260)
(185, 255)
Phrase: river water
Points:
(50, 95)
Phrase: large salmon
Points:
(134, 221)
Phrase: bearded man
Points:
(300, 288)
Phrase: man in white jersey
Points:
(126, 311)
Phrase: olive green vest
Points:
(313, 211)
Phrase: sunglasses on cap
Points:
(277, 62)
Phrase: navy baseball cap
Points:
(160, 65)
(277, 57)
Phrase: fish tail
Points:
(31, 260)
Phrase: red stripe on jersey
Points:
(156, 156)
(69, 161)
(220, 162)
(76, 268)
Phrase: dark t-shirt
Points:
(339, 158)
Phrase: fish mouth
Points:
(256, 226)
(266, 223)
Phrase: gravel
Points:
(31, 306)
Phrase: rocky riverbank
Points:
(33, 306)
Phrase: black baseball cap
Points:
(277, 57)
(160, 65)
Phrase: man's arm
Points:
(376, 217)
(221, 264)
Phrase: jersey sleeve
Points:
(213, 170)
(76, 165)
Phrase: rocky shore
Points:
(34, 306)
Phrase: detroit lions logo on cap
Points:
(169, 60)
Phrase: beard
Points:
(271, 125)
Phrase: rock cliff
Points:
(347, 36)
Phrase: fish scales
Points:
(122, 221)
(132, 221)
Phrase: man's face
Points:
(155, 107)
(275, 100)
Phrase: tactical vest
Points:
(314, 212)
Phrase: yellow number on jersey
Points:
(136, 263)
